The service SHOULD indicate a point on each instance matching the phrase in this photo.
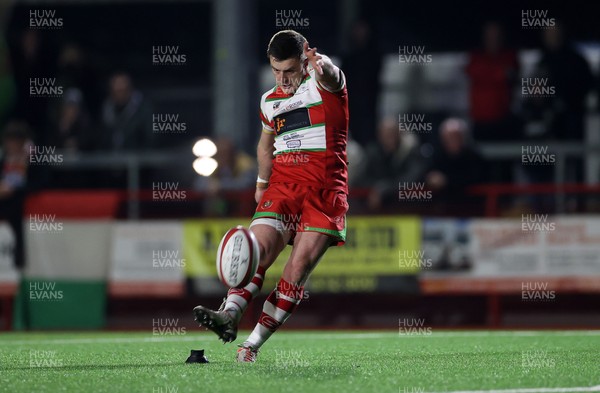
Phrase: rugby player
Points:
(301, 188)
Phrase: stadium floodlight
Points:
(204, 148)
(205, 166)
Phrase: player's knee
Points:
(267, 254)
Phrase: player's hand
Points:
(258, 194)
(315, 59)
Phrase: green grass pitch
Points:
(438, 361)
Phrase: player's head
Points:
(287, 58)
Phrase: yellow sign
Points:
(372, 249)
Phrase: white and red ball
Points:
(237, 257)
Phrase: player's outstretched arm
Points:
(327, 73)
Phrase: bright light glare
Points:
(205, 166)
(204, 148)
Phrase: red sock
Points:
(278, 307)
(239, 298)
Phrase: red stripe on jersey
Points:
(264, 119)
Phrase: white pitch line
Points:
(101, 340)
(531, 390)
(434, 334)
(517, 333)
(315, 335)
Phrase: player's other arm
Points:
(327, 74)
(264, 156)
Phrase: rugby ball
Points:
(237, 257)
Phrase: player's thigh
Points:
(271, 240)
(308, 249)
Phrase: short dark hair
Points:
(286, 44)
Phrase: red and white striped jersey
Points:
(311, 131)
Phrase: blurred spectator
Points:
(75, 71)
(493, 71)
(456, 165)
(7, 82)
(71, 128)
(32, 59)
(17, 179)
(126, 117)
(392, 159)
(357, 161)
(362, 66)
(559, 115)
(236, 172)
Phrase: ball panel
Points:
(237, 257)
(251, 242)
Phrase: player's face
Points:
(288, 73)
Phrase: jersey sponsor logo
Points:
(293, 105)
(276, 104)
(279, 124)
(303, 88)
(293, 144)
(298, 118)
(293, 135)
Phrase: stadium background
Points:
(119, 229)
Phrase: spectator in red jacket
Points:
(492, 71)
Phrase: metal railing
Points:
(133, 162)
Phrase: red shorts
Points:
(298, 208)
